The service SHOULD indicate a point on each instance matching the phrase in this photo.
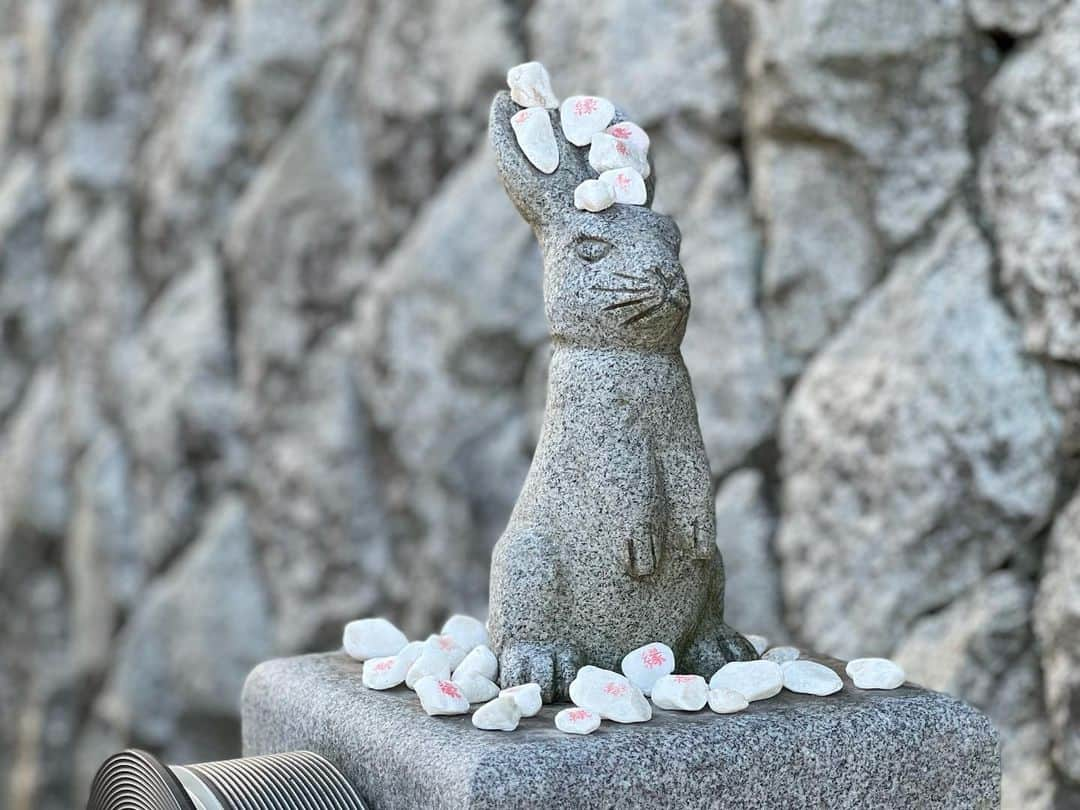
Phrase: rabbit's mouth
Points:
(653, 301)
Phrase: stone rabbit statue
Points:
(612, 542)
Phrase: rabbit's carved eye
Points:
(591, 249)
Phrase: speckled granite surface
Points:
(909, 748)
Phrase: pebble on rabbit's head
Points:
(618, 150)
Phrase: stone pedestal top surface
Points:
(906, 748)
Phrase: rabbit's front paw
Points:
(553, 666)
(641, 551)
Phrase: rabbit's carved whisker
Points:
(645, 313)
(630, 303)
(598, 288)
(612, 542)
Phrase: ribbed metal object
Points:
(298, 780)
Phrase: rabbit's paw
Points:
(641, 551)
(553, 666)
(703, 536)
(714, 649)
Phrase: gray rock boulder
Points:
(1057, 622)
(745, 525)
(921, 443)
(981, 646)
(1030, 185)
(183, 656)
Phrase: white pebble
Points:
(448, 645)
(530, 86)
(761, 644)
(779, 655)
(384, 673)
(584, 116)
(810, 678)
(592, 195)
(754, 680)
(477, 688)
(527, 696)
(372, 638)
(687, 693)
(534, 133)
(468, 632)
(481, 661)
(627, 186)
(875, 673)
(646, 665)
(631, 132)
(576, 720)
(726, 701)
(431, 663)
(441, 696)
(609, 152)
(610, 695)
(411, 654)
(500, 714)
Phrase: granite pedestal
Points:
(908, 748)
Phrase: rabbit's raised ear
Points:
(541, 198)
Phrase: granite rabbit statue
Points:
(612, 542)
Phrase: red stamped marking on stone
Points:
(615, 689)
(585, 106)
(684, 679)
(521, 117)
(577, 715)
(652, 657)
(622, 148)
(622, 181)
(383, 666)
(621, 132)
(446, 642)
(449, 689)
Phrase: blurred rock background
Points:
(272, 350)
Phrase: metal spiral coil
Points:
(136, 780)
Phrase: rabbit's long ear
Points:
(541, 198)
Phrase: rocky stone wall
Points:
(272, 349)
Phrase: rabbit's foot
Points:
(552, 665)
(721, 645)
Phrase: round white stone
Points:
(431, 663)
(468, 632)
(576, 720)
(645, 665)
(584, 116)
(810, 678)
(536, 138)
(687, 693)
(610, 695)
(875, 673)
(481, 661)
(500, 714)
(778, 655)
(627, 186)
(412, 652)
(592, 195)
(527, 696)
(726, 701)
(608, 152)
(754, 680)
(761, 644)
(631, 132)
(477, 688)
(372, 638)
(441, 696)
(384, 673)
(530, 86)
(449, 646)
